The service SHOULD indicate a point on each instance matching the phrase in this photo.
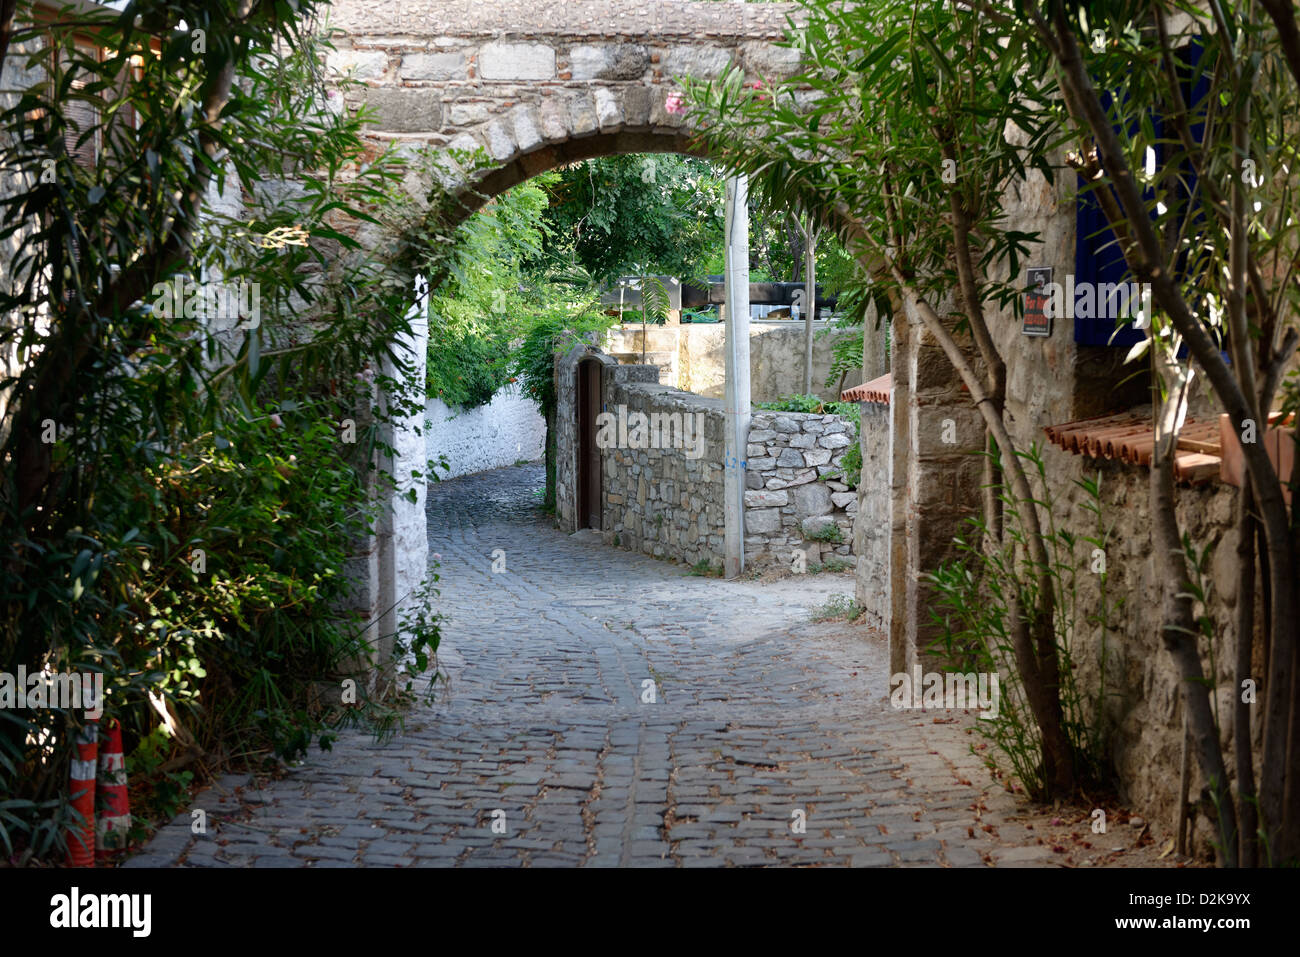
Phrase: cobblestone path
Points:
(608, 709)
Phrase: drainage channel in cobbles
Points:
(607, 709)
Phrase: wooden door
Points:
(589, 478)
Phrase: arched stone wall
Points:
(539, 84)
(535, 85)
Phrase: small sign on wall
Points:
(1037, 322)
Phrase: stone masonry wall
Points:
(536, 89)
(794, 500)
(669, 504)
(663, 502)
(694, 355)
(872, 528)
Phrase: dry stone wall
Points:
(669, 503)
(798, 511)
(665, 498)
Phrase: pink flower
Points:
(673, 104)
(437, 557)
(276, 421)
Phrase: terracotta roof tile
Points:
(1129, 437)
(877, 390)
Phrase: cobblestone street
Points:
(607, 709)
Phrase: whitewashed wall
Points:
(507, 429)
(402, 534)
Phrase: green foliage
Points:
(185, 533)
(815, 404)
(708, 569)
(465, 368)
(660, 213)
(836, 608)
(794, 403)
(835, 563)
(564, 321)
(478, 306)
(654, 301)
(907, 132)
(973, 608)
(828, 533)
(937, 91)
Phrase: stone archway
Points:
(535, 85)
(538, 85)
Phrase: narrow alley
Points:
(607, 709)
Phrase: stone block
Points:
(947, 429)
(694, 61)
(814, 498)
(790, 458)
(403, 111)
(500, 142)
(835, 440)
(433, 66)
(609, 112)
(554, 120)
(817, 525)
(783, 424)
(527, 135)
(516, 61)
(844, 499)
(582, 115)
(817, 456)
(636, 105)
(362, 64)
(764, 60)
(592, 61)
(758, 499)
(761, 521)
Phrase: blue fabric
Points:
(1097, 256)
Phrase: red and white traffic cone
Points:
(114, 820)
(81, 839)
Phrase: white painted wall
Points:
(403, 542)
(507, 429)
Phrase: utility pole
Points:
(736, 327)
(810, 301)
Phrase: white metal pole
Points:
(736, 327)
(810, 303)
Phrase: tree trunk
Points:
(1246, 796)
